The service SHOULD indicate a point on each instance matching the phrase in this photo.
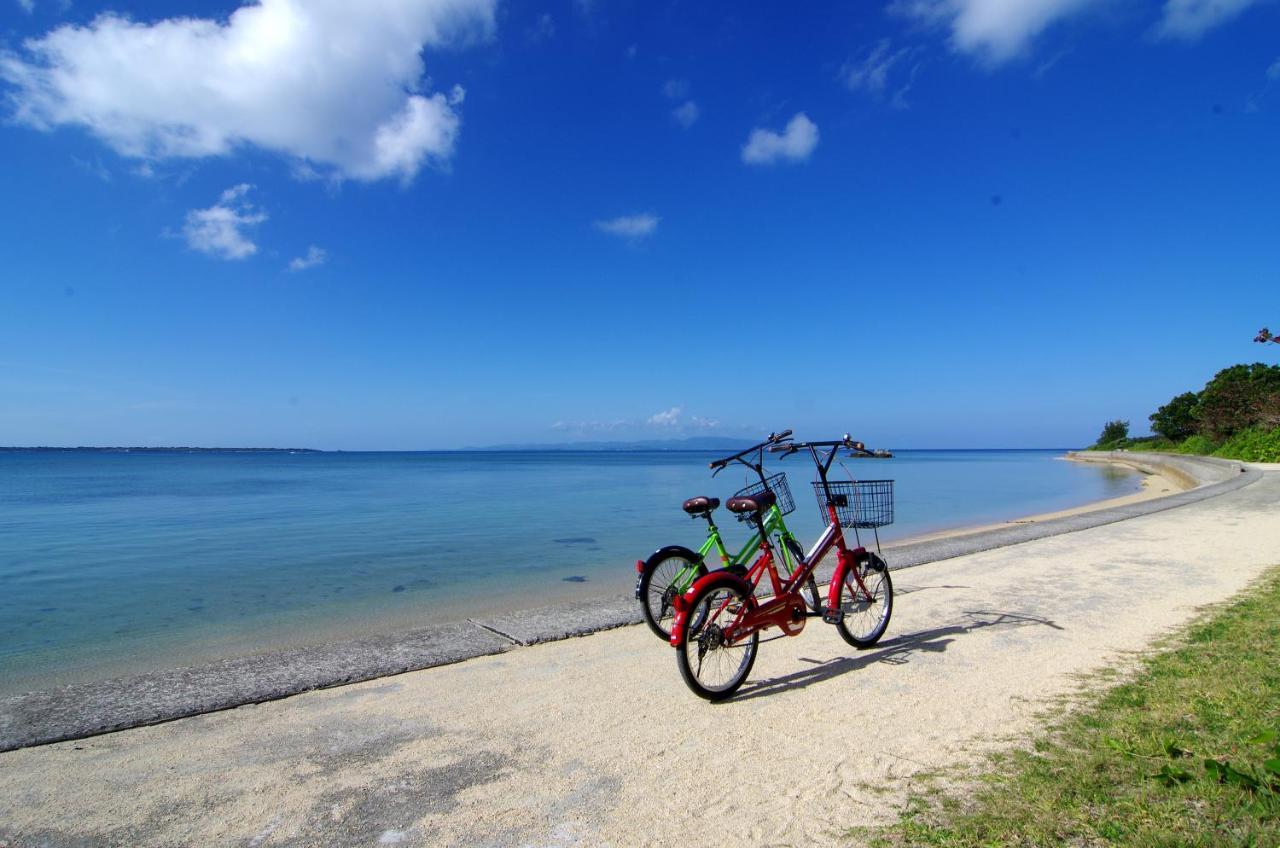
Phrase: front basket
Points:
(861, 504)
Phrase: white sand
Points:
(596, 741)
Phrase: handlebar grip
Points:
(777, 437)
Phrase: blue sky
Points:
(406, 224)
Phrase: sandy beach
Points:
(596, 741)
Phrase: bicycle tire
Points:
(655, 618)
(875, 571)
(693, 642)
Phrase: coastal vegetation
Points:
(1169, 757)
(1235, 416)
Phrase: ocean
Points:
(119, 562)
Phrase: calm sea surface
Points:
(113, 563)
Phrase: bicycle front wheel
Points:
(710, 666)
(866, 613)
(659, 585)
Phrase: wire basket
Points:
(776, 483)
(862, 504)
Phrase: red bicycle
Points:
(717, 624)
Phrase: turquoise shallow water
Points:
(119, 562)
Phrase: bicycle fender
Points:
(672, 550)
(846, 562)
(714, 579)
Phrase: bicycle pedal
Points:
(834, 616)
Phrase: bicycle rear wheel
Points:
(710, 667)
(866, 614)
(659, 585)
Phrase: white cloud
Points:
(676, 89)
(633, 227)
(220, 230)
(1273, 72)
(871, 73)
(28, 6)
(667, 418)
(686, 114)
(1190, 19)
(793, 144)
(330, 83)
(996, 30)
(315, 256)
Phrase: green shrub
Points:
(1253, 445)
(1176, 419)
(1239, 398)
(1113, 432)
(1151, 443)
(1198, 445)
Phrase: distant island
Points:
(85, 449)
(695, 443)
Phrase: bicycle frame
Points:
(786, 609)
(774, 525)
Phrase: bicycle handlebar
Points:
(791, 447)
(773, 439)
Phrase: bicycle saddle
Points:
(700, 504)
(758, 502)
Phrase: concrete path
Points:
(596, 741)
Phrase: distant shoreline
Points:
(86, 449)
(620, 448)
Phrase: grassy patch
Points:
(1185, 753)
(1252, 445)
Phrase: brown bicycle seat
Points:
(758, 502)
(700, 504)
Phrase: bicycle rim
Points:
(672, 576)
(866, 614)
(713, 668)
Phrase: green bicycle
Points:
(671, 570)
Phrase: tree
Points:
(1113, 431)
(1176, 419)
(1238, 398)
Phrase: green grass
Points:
(1254, 445)
(1183, 754)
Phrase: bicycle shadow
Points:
(896, 651)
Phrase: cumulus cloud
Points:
(996, 30)
(632, 227)
(686, 114)
(1189, 19)
(336, 85)
(221, 230)
(666, 418)
(314, 256)
(794, 144)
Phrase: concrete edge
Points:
(90, 709)
(84, 710)
(1214, 477)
